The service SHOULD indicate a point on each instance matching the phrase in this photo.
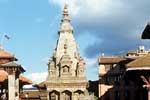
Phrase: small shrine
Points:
(11, 80)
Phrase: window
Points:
(65, 69)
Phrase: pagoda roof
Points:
(141, 62)
(13, 64)
(25, 80)
(4, 54)
(4, 76)
(111, 60)
(146, 32)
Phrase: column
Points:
(17, 88)
(11, 87)
(61, 96)
(73, 96)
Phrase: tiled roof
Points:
(25, 80)
(4, 54)
(3, 75)
(13, 64)
(143, 61)
(110, 60)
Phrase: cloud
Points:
(91, 68)
(90, 61)
(46, 59)
(116, 25)
(37, 77)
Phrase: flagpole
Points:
(1, 42)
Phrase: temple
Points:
(11, 80)
(66, 78)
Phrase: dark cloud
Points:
(119, 31)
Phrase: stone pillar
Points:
(17, 88)
(73, 96)
(61, 96)
(11, 87)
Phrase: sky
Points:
(111, 27)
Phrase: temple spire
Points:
(65, 22)
(65, 13)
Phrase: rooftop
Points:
(146, 32)
(4, 54)
(13, 64)
(111, 60)
(4, 76)
(143, 61)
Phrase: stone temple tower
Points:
(66, 68)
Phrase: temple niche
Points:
(66, 78)
(51, 68)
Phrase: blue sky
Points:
(100, 26)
